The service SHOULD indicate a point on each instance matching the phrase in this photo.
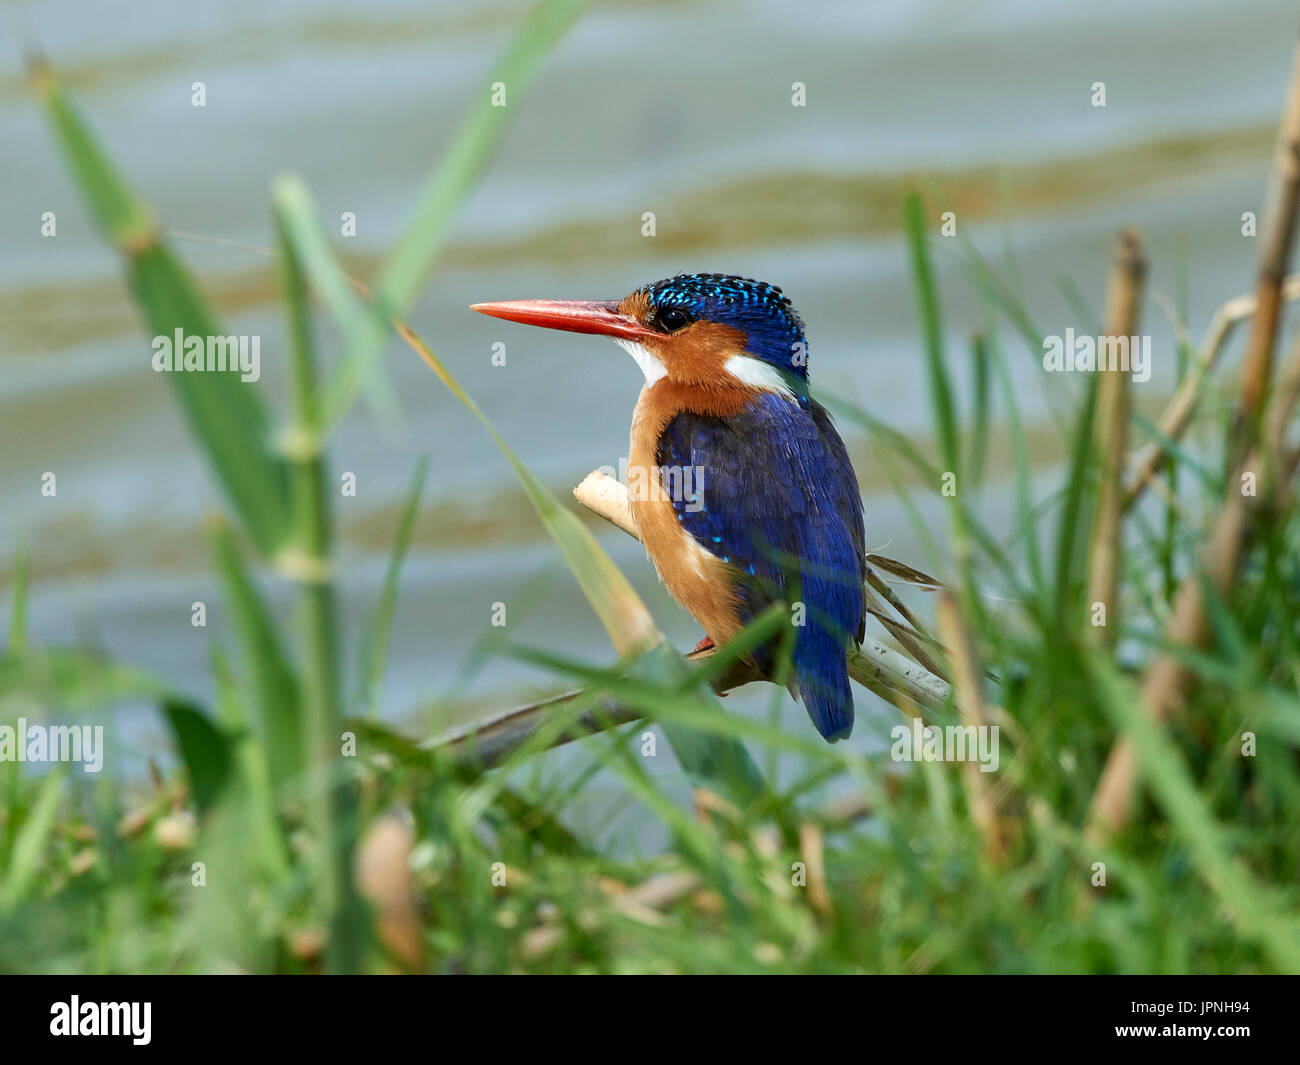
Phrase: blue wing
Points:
(778, 499)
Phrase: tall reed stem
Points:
(1105, 561)
(330, 804)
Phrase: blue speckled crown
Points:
(761, 311)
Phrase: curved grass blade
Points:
(460, 166)
(945, 415)
(267, 841)
(224, 413)
(383, 621)
(470, 151)
(979, 441)
(204, 749)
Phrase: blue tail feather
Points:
(822, 676)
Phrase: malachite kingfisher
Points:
(769, 509)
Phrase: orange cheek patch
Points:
(698, 353)
(694, 356)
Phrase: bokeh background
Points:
(679, 108)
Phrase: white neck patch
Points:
(645, 358)
(754, 373)
(757, 374)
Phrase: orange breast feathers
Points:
(702, 583)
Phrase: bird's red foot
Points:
(705, 644)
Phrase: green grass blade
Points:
(267, 840)
(383, 622)
(1072, 536)
(72, 679)
(945, 416)
(31, 841)
(470, 151)
(1180, 455)
(459, 167)
(276, 692)
(362, 324)
(224, 413)
(1025, 515)
(18, 608)
(687, 708)
(204, 749)
(330, 801)
(979, 442)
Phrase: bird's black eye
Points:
(670, 319)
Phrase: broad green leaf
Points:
(204, 749)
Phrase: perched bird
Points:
(752, 498)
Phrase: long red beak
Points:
(575, 316)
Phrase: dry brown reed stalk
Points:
(813, 852)
(1105, 556)
(970, 703)
(1278, 232)
(1177, 415)
(905, 573)
(882, 586)
(1164, 686)
(905, 635)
